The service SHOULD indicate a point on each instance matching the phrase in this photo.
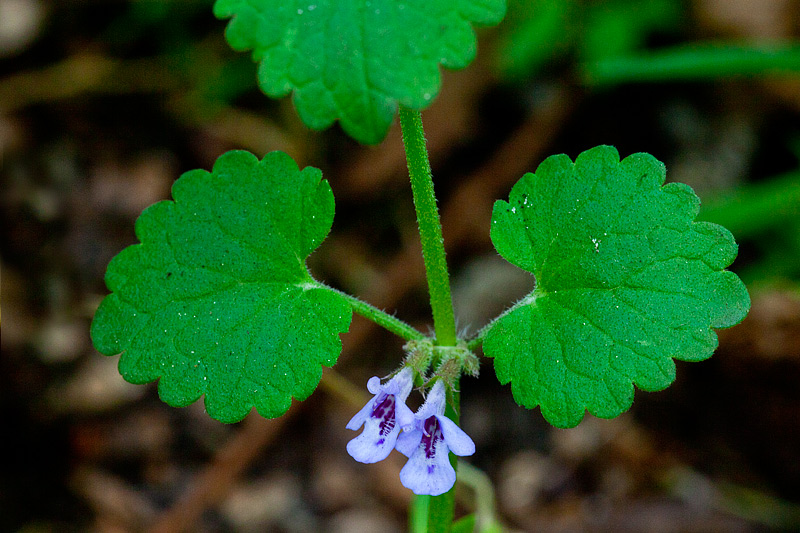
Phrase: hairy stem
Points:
(477, 341)
(383, 319)
(436, 516)
(430, 227)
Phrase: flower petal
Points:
(459, 442)
(359, 418)
(401, 384)
(408, 442)
(374, 385)
(403, 415)
(371, 446)
(432, 476)
(382, 418)
(434, 403)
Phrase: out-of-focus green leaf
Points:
(542, 31)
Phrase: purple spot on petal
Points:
(385, 411)
(431, 436)
(381, 441)
(431, 468)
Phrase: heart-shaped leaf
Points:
(625, 282)
(354, 60)
(217, 300)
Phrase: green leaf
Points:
(625, 282)
(354, 60)
(217, 299)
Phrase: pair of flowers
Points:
(425, 437)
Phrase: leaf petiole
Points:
(382, 318)
(477, 341)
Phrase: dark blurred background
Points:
(104, 104)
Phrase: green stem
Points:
(430, 228)
(440, 509)
(418, 514)
(474, 344)
(383, 319)
(477, 341)
(480, 483)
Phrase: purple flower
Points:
(382, 418)
(427, 445)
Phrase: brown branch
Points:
(466, 215)
(83, 74)
(214, 482)
(91, 74)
